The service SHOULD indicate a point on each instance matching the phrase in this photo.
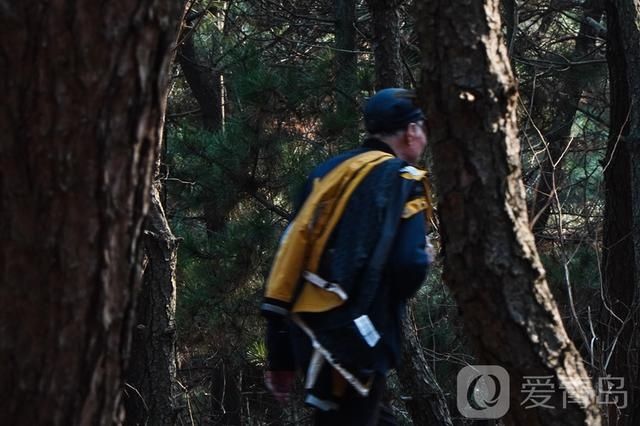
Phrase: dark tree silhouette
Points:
(82, 91)
(491, 263)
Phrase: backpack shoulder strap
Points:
(304, 240)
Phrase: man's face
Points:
(416, 139)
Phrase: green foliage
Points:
(257, 353)
(583, 270)
(230, 192)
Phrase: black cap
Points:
(390, 110)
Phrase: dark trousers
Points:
(356, 410)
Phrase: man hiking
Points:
(352, 256)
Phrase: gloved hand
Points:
(280, 384)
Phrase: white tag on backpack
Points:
(368, 331)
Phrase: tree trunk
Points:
(386, 43)
(491, 264)
(82, 88)
(150, 380)
(621, 251)
(205, 83)
(151, 375)
(427, 404)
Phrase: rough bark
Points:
(621, 254)
(82, 87)
(386, 43)
(491, 264)
(426, 404)
(568, 93)
(150, 388)
(150, 379)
